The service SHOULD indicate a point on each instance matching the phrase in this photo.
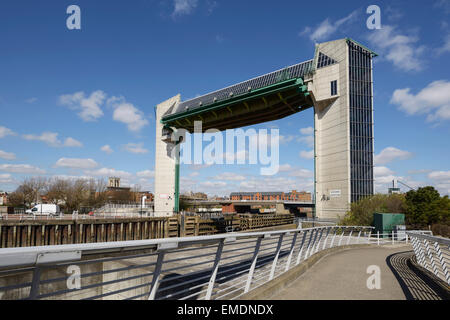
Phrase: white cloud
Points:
(284, 167)
(148, 174)
(31, 100)
(71, 142)
(381, 171)
(75, 163)
(439, 175)
(137, 148)
(433, 100)
(229, 176)
(326, 28)
(213, 184)
(390, 154)
(441, 180)
(284, 184)
(307, 154)
(308, 140)
(302, 173)
(6, 178)
(21, 168)
(445, 47)
(89, 107)
(7, 155)
(194, 174)
(127, 113)
(106, 148)
(51, 139)
(184, 7)
(307, 131)
(285, 139)
(109, 172)
(398, 48)
(5, 132)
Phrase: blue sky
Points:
(81, 102)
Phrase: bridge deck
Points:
(269, 97)
(343, 276)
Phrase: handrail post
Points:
(156, 275)
(318, 241)
(342, 236)
(349, 237)
(253, 265)
(431, 258)
(334, 237)
(288, 262)
(442, 262)
(313, 233)
(275, 259)
(34, 290)
(215, 268)
(326, 238)
(301, 247)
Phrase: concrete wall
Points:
(164, 165)
(332, 143)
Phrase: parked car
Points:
(45, 210)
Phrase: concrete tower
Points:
(341, 87)
(337, 83)
(166, 166)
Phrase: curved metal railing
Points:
(432, 253)
(223, 266)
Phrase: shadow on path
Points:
(414, 285)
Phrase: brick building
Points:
(294, 195)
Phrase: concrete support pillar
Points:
(166, 165)
(332, 141)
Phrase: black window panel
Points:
(333, 87)
(361, 139)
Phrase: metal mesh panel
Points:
(292, 72)
(324, 61)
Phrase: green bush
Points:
(361, 212)
(424, 208)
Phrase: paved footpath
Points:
(343, 276)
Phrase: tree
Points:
(361, 212)
(28, 192)
(425, 206)
(57, 190)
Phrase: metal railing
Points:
(432, 253)
(224, 266)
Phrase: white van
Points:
(45, 210)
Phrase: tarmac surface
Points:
(344, 275)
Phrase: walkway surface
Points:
(343, 276)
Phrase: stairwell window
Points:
(334, 87)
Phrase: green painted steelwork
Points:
(280, 86)
(177, 181)
(238, 108)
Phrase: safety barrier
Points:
(223, 266)
(432, 253)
